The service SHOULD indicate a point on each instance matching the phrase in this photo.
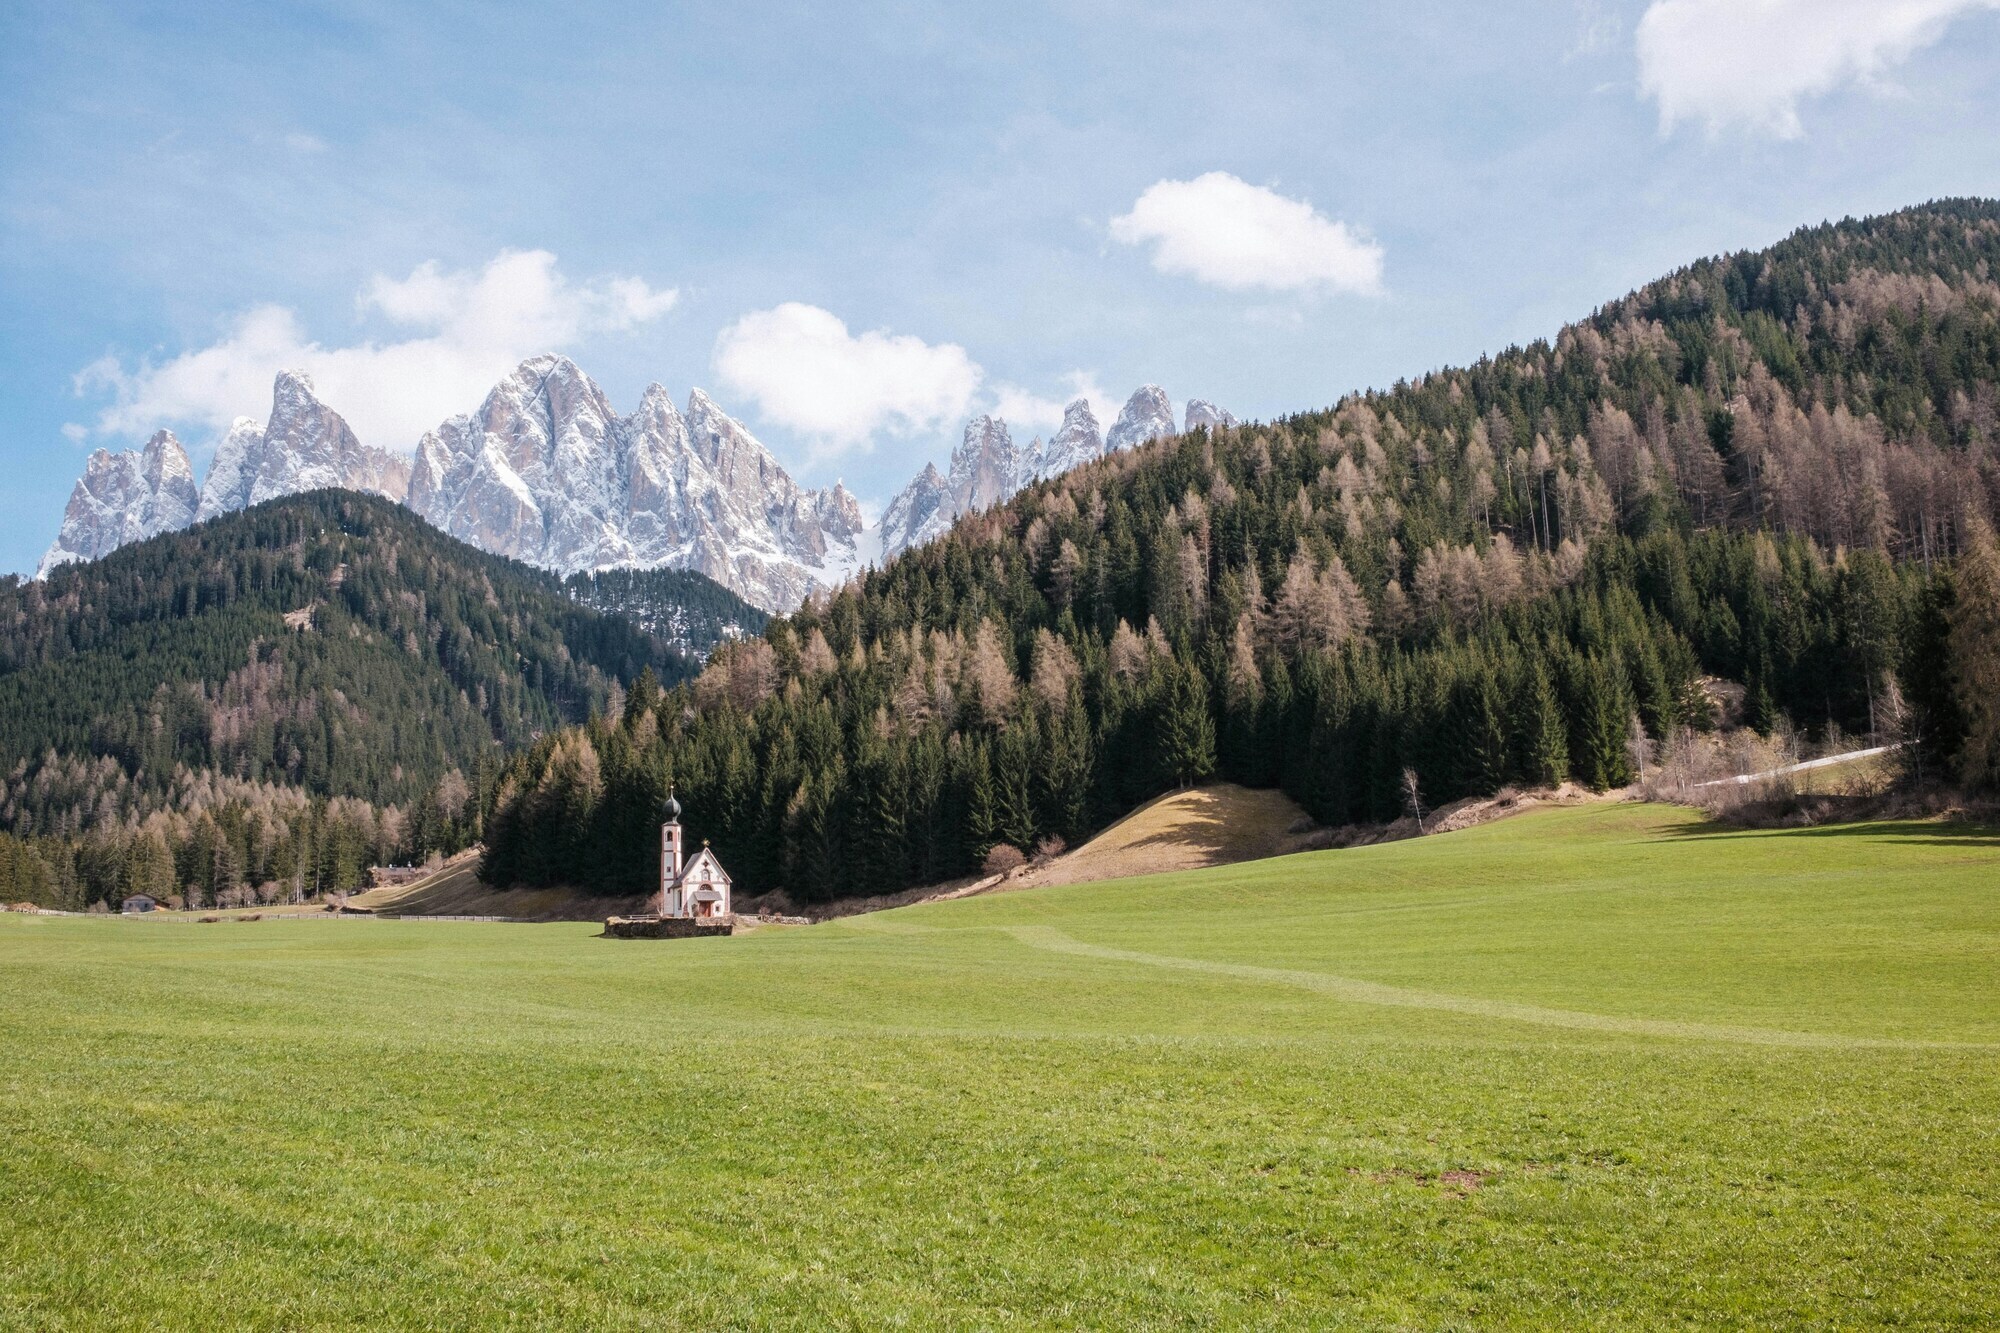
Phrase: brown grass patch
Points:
(1185, 830)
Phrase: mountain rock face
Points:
(921, 510)
(546, 472)
(1148, 415)
(125, 497)
(1077, 441)
(306, 446)
(987, 468)
(1203, 414)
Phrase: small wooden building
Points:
(139, 902)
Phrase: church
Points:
(691, 890)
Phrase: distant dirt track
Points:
(1371, 992)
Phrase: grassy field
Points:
(1603, 1067)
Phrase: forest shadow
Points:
(1205, 829)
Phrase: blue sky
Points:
(854, 225)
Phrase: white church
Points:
(696, 889)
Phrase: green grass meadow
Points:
(1606, 1067)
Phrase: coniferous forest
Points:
(1779, 468)
(284, 696)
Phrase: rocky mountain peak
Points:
(1075, 442)
(986, 468)
(546, 472)
(1148, 415)
(305, 446)
(1202, 414)
(125, 497)
(921, 510)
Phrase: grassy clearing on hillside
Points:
(1218, 824)
(1601, 1067)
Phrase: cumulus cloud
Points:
(805, 371)
(1232, 234)
(1747, 63)
(467, 330)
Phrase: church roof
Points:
(714, 862)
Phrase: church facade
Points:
(690, 887)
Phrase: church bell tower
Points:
(670, 859)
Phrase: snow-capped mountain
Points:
(125, 497)
(306, 446)
(1202, 414)
(921, 510)
(1148, 415)
(1076, 441)
(987, 468)
(545, 471)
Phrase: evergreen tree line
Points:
(837, 768)
(1770, 467)
(688, 610)
(332, 642)
(275, 700)
(237, 846)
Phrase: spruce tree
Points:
(1186, 730)
(1545, 740)
(982, 812)
(1486, 736)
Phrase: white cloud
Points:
(1232, 234)
(806, 372)
(468, 330)
(1749, 62)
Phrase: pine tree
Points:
(1760, 714)
(1186, 730)
(1486, 736)
(1015, 755)
(1545, 742)
(1932, 725)
(982, 807)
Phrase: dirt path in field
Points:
(1372, 992)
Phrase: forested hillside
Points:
(1775, 467)
(680, 606)
(286, 694)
